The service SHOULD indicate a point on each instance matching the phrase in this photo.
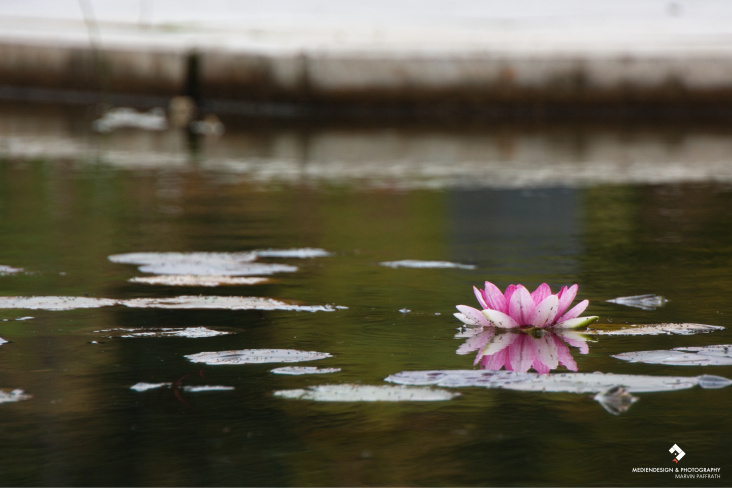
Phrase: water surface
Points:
(619, 211)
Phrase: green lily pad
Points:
(720, 355)
(366, 393)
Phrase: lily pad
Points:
(201, 263)
(141, 387)
(559, 382)
(187, 332)
(645, 302)
(256, 356)
(414, 263)
(55, 303)
(303, 253)
(7, 270)
(658, 329)
(13, 396)
(195, 280)
(222, 302)
(298, 370)
(366, 393)
(720, 355)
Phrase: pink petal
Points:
(564, 355)
(480, 297)
(473, 316)
(541, 292)
(575, 312)
(499, 319)
(545, 312)
(566, 297)
(494, 298)
(477, 342)
(521, 354)
(521, 305)
(545, 351)
(509, 292)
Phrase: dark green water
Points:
(70, 198)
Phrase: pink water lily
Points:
(517, 307)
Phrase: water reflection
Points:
(521, 350)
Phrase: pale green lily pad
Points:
(141, 387)
(720, 355)
(414, 263)
(256, 356)
(186, 332)
(302, 253)
(13, 396)
(196, 280)
(558, 382)
(222, 302)
(179, 302)
(201, 263)
(300, 370)
(8, 270)
(658, 329)
(366, 393)
(55, 303)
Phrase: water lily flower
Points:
(517, 307)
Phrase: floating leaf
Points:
(180, 302)
(6, 270)
(559, 382)
(140, 387)
(148, 386)
(13, 396)
(195, 280)
(413, 263)
(303, 253)
(222, 302)
(720, 355)
(187, 332)
(55, 303)
(298, 370)
(658, 329)
(645, 302)
(256, 356)
(201, 263)
(366, 393)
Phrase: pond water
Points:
(392, 226)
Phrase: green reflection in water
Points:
(84, 426)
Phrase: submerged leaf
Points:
(366, 393)
(645, 302)
(559, 382)
(256, 356)
(415, 263)
(657, 329)
(720, 355)
(140, 387)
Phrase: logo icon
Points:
(675, 449)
